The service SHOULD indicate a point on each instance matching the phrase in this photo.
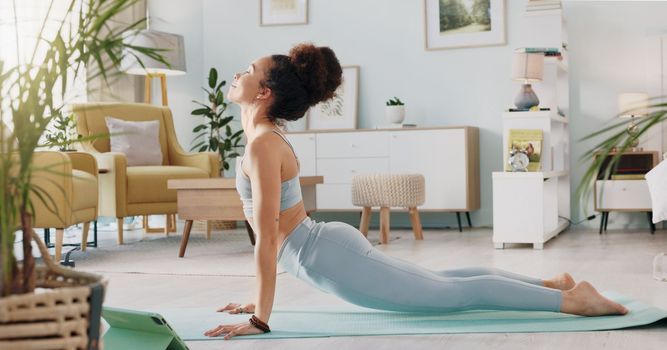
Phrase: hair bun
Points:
(318, 69)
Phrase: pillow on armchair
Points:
(139, 141)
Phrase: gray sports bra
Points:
(290, 190)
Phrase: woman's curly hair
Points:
(305, 77)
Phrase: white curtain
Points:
(21, 22)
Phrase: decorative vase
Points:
(526, 98)
(395, 114)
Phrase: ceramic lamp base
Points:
(526, 98)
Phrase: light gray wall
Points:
(469, 86)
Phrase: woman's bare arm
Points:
(265, 164)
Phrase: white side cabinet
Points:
(533, 207)
(448, 157)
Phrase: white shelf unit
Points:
(533, 207)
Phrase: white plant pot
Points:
(395, 114)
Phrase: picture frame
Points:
(283, 12)
(341, 111)
(450, 24)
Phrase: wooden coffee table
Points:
(217, 199)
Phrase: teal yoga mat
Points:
(190, 324)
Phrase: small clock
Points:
(519, 160)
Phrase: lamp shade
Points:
(174, 53)
(632, 104)
(527, 66)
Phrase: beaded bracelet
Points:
(259, 324)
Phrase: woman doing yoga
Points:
(336, 257)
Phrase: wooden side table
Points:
(217, 199)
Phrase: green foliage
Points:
(216, 133)
(480, 11)
(28, 98)
(63, 132)
(617, 140)
(453, 14)
(395, 102)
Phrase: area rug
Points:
(227, 253)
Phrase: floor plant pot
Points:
(64, 312)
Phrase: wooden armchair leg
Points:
(120, 230)
(384, 225)
(416, 223)
(84, 236)
(365, 220)
(60, 235)
(167, 224)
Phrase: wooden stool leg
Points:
(184, 239)
(120, 230)
(208, 229)
(416, 223)
(60, 235)
(384, 225)
(365, 220)
(84, 236)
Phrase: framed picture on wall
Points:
(340, 112)
(283, 12)
(463, 23)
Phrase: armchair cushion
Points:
(148, 184)
(138, 140)
(84, 190)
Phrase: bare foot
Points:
(584, 300)
(564, 281)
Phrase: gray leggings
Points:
(336, 258)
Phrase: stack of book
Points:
(547, 51)
(542, 5)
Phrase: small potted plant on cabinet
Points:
(395, 111)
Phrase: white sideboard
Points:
(448, 157)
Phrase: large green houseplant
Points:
(29, 99)
(216, 133)
(612, 140)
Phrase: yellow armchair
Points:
(66, 193)
(139, 190)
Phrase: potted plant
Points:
(395, 111)
(28, 102)
(216, 134)
(63, 132)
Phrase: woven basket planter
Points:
(64, 312)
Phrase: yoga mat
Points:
(190, 324)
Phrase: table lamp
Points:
(527, 67)
(631, 105)
(170, 46)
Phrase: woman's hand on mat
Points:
(234, 308)
(233, 330)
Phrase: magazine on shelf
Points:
(528, 141)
